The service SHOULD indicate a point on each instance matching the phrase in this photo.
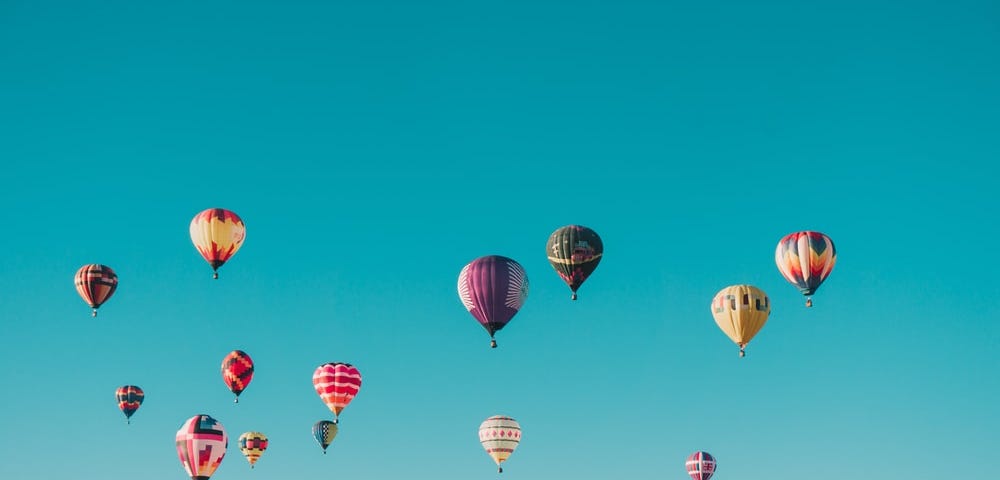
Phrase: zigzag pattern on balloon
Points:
(805, 259)
(237, 371)
(337, 384)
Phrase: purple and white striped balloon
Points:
(493, 288)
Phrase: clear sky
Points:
(374, 148)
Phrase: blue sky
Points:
(374, 149)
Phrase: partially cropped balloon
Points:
(499, 436)
(337, 384)
(129, 398)
(741, 311)
(574, 252)
(700, 466)
(324, 431)
(95, 283)
(805, 259)
(217, 233)
(252, 445)
(201, 445)
(237, 371)
(493, 289)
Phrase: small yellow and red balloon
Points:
(218, 234)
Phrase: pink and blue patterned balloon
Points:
(201, 445)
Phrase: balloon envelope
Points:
(574, 252)
(805, 259)
(337, 384)
(129, 398)
(493, 289)
(252, 445)
(700, 466)
(217, 233)
(95, 283)
(741, 311)
(201, 445)
(499, 436)
(237, 371)
(324, 431)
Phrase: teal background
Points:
(374, 148)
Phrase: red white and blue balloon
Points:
(700, 466)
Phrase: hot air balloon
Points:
(337, 384)
(700, 465)
(574, 252)
(129, 399)
(237, 371)
(740, 311)
(217, 233)
(805, 259)
(493, 288)
(253, 444)
(324, 431)
(95, 283)
(201, 445)
(499, 436)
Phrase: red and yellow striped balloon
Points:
(217, 233)
(95, 283)
(337, 384)
(252, 445)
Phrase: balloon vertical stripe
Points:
(95, 283)
(740, 311)
(805, 259)
(493, 289)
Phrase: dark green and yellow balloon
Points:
(574, 252)
(324, 431)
